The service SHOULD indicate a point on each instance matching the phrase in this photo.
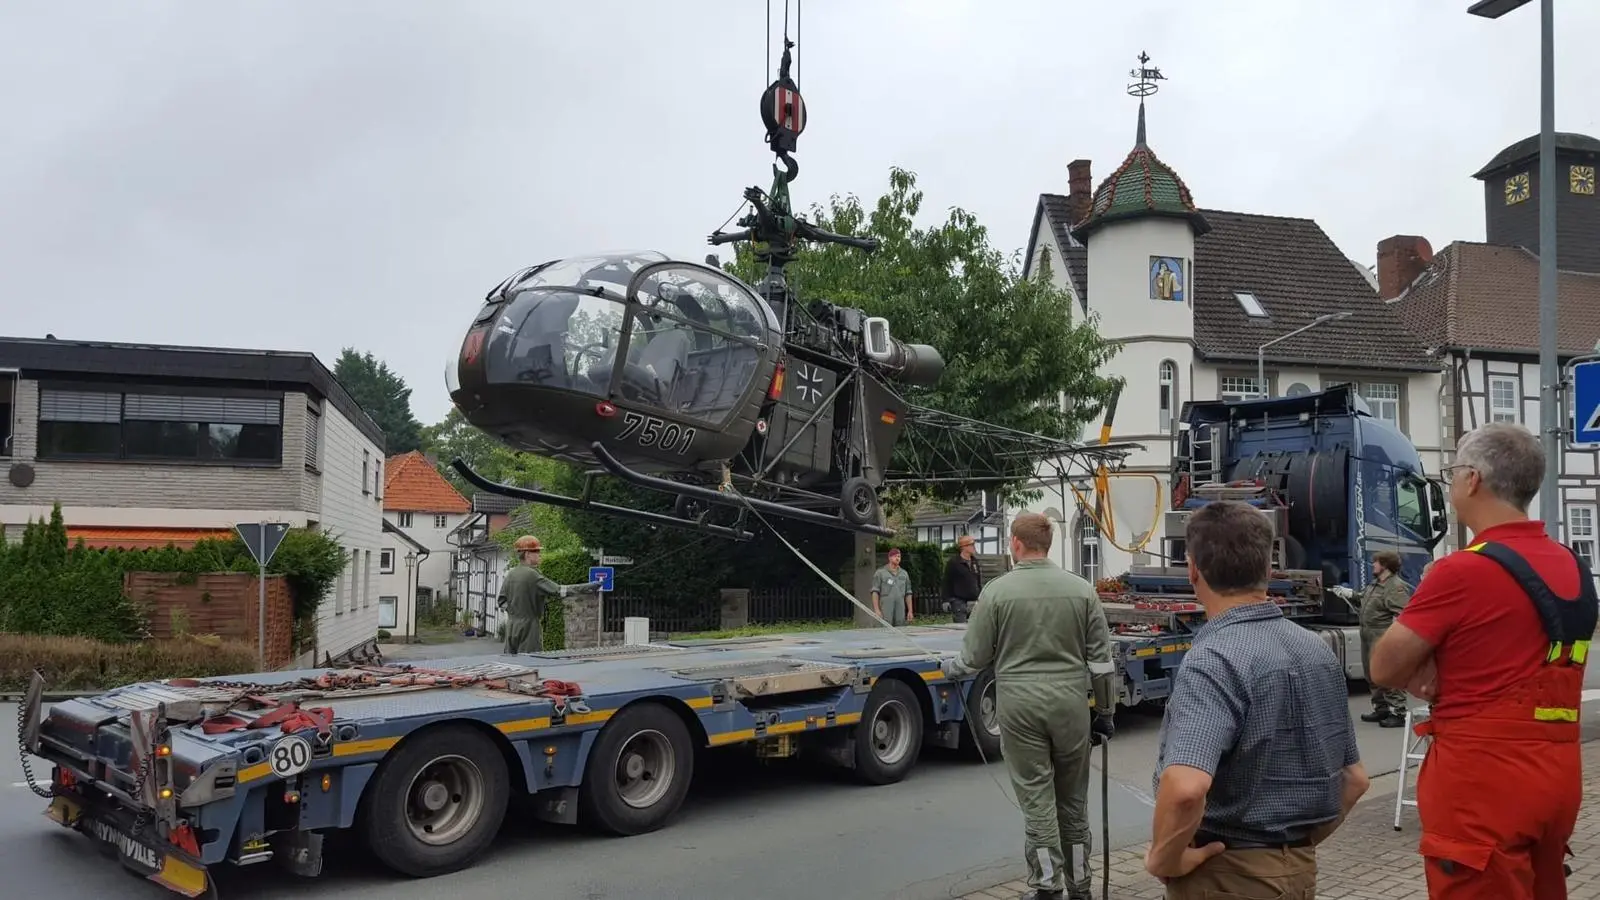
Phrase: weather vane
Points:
(1145, 78)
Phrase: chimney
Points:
(1400, 260)
(1080, 190)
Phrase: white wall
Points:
(352, 514)
(426, 529)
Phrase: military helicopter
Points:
(680, 377)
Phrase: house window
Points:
(405, 520)
(356, 587)
(366, 579)
(1580, 531)
(313, 438)
(1503, 399)
(441, 521)
(366, 471)
(1088, 548)
(386, 562)
(387, 608)
(1169, 393)
(8, 413)
(159, 427)
(1252, 306)
(377, 480)
(1239, 387)
(1384, 400)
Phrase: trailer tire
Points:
(638, 771)
(889, 737)
(436, 802)
(980, 731)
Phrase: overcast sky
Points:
(291, 175)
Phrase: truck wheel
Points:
(638, 772)
(436, 802)
(889, 738)
(980, 733)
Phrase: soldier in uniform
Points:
(523, 595)
(1383, 599)
(1045, 633)
(891, 587)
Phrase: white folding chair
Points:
(1412, 750)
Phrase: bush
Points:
(562, 567)
(81, 664)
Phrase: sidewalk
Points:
(1366, 859)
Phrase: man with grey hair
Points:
(1495, 640)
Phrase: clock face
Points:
(1517, 188)
(1581, 179)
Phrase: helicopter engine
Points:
(867, 339)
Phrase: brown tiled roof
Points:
(1297, 273)
(1486, 297)
(412, 484)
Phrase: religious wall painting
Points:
(1166, 279)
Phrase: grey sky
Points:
(308, 176)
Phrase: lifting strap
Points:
(1569, 622)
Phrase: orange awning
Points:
(106, 537)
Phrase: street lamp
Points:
(1549, 418)
(1261, 351)
(411, 597)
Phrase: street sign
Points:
(604, 574)
(262, 538)
(1585, 375)
(616, 560)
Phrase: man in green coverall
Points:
(522, 596)
(1045, 633)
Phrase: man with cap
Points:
(962, 581)
(523, 595)
(891, 588)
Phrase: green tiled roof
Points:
(1142, 186)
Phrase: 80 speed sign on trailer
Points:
(290, 756)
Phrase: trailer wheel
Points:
(889, 738)
(980, 733)
(436, 802)
(638, 772)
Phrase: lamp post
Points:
(411, 597)
(1261, 351)
(1549, 412)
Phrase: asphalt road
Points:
(785, 832)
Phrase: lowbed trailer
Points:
(183, 775)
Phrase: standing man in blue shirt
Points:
(1258, 760)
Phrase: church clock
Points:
(1581, 179)
(1517, 189)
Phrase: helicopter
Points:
(680, 377)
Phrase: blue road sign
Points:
(1586, 402)
(606, 575)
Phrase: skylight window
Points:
(1252, 306)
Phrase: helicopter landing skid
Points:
(710, 495)
(584, 504)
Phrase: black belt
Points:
(1202, 838)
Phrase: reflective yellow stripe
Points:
(1554, 714)
(1478, 546)
(1580, 652)
(1554, 654)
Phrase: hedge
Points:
(562, 567)
(81, 664)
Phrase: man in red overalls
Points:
(1495, 639)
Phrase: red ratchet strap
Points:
(555, 688)
(290, 717)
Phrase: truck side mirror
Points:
(1439, 512)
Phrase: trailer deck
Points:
(186, 774)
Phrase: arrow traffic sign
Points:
(262, 539)
(1585, 374)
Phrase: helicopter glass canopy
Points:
(681, 338)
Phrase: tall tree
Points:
(383, 395)
(1013, 346)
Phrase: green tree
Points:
(453, 437)
(383, 395)
(1013, 346)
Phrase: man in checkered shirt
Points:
(1258, 758)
